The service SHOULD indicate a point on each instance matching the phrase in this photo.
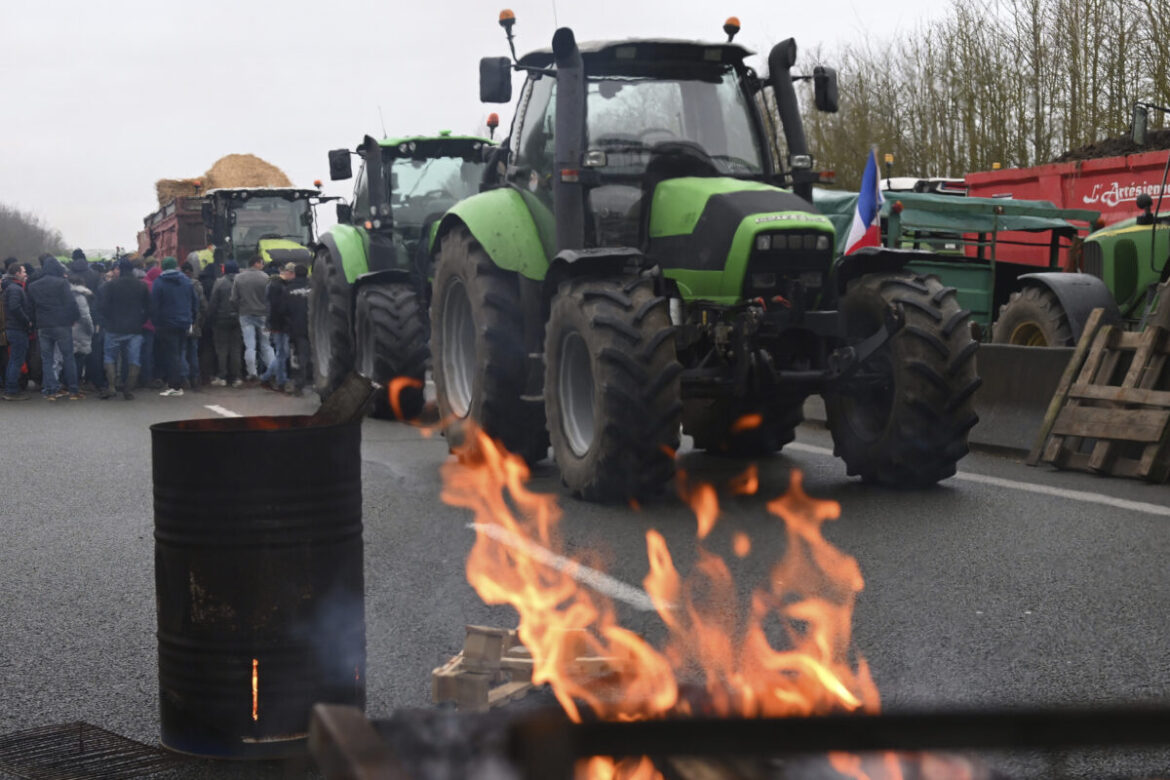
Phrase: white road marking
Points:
(221, 411)
(598, 581)
(1028, 487)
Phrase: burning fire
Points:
(394, 392)
(255, 689)
(809, 597)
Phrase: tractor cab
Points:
(276, 222)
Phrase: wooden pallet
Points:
(1111, 410)
(494, 669)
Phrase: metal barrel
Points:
(259, 581)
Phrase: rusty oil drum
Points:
(258, 577)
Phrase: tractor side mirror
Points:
(344, 214)
(825, 89)
(339, 165)
(495, 80)
(1141, 121)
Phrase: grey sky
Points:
(104, 98)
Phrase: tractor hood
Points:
(703, 232)
(282, 250)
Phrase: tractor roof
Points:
(646, 49)
(291, 193)
(427, 146)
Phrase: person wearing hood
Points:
(123, 308)
(224, 316)
(173, 309)
(54, 308)
(81, 267)
(17, 325)
(83, 329)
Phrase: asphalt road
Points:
(1005, 587)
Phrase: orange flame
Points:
(809, 593)
(747, 422)
(747, 483)
(255, 689)
(394, 392)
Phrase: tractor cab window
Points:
(708, 114)
(361, 197)
(534, 149)
(267, 216)
(421, 191)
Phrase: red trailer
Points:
(175, 230)
(1106, 184)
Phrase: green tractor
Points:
(369, 292)
(274, 222)
(634, 265)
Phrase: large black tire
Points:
(1033, 317)
(477, 344)
(330, 329)
(612, 388)
(391, 331)
(713, 424)
(910, 429)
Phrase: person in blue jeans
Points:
(276, 375)
(123, 306)
(250, 296)
(17, 325)
(55, 310)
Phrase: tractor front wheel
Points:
(392, 343)
(903, 418)
(477, 344)
(1033, 317)
(330, 334)
(612, 388)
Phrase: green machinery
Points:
(369, 292)
(636, 263)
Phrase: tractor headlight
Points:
(780, 241)
(764, 242)
(822, 243)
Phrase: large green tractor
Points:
(369, 293)
(635, 265)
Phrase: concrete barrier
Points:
(1018, 383)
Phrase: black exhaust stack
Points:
(570, 141)
(780, 62)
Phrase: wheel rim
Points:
(1028, 334)
(458, 359)
(575, 393)
(319, 312)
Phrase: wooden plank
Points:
(1123, 395)
(1099, 368)
(502, 694)
(1140, 425)
(1150, 340)
(1066, 380)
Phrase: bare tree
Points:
(25, 236)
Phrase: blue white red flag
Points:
(866, 229)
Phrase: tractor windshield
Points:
(267, 216)
(628, 116)
(423, 190)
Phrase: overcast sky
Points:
(103, 98)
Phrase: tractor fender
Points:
(1078, 294)
(603, 261)
(873, 259)
(348, 244)
(502, 224)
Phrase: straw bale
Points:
(233, 170)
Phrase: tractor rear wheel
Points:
(1033, 317)
(477, 344)
(903, 419)
(612, 388)
(741, 429)
(392, 342)
(330, 333)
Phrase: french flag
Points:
(866, 229)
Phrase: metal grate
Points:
(78, 751)
(1092, 260)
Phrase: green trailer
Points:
(1006, 258)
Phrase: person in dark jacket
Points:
(225, 328)
(55, 310)
(81, 267)
(276, 374)
(17, 324)
(296, 323)
(123, 306)
(173, 308)
(194, 335)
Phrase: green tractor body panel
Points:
(1120, 256)
(504, 225)
(283, 250)
(703, 231)
(353, 247)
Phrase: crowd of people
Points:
(88, 328)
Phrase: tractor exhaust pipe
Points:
(780, 62)
(570, 141)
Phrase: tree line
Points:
(1014, 82)
(25, 236)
